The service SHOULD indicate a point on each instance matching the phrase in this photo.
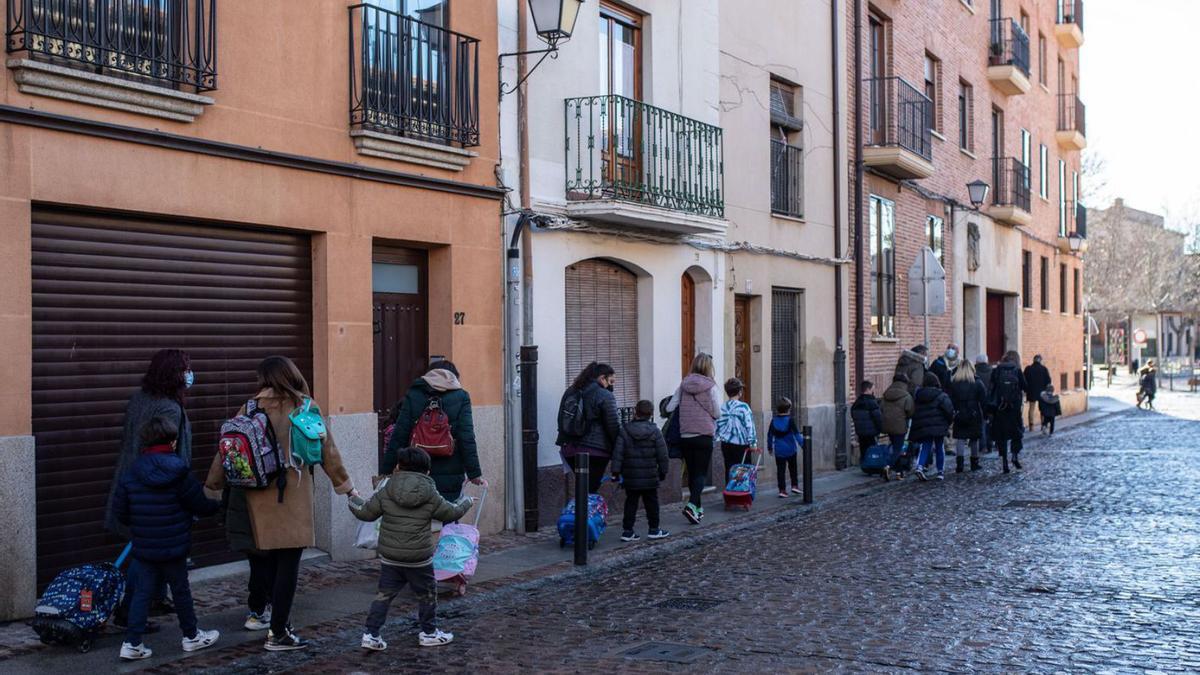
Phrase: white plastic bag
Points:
(368, 532)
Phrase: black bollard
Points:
(581, 508)
(808, 477)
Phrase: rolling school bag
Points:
(457, 552)
(77, 604)
(597, 520)
(742, 485)
(875, 458)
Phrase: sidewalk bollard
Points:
(808, 477)
(582, 461)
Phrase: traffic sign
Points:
(926, 285)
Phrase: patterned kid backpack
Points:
(249, 452)
(432, 431)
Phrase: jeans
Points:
(650, 499)
(937, 446)
(596, 467)
(784, 466)
(273, 577)
(148, 577)
(961, 444)
(392, 579)
(697, 457)
(733, 455)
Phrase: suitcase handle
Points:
(124, 554)
(746, 456)
(478, 505)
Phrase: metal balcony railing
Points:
(1009, 45)
(412, 79)
(787, 179)
(1011, 180)
(163, 42)
(1072, 114)
(899, 116)
(619, 148)
(1071, 11)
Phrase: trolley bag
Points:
(457, 552)
(742, 485)
(876, 458)
(597, 520)
(77, 604)
(902, 461)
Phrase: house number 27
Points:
(460, 318)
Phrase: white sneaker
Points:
(204, 638)
(258, 621)
(135, 652)
(373, 642)
(436, 638)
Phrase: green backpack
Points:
(308, 434)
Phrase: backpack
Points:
(432, 431)
(1006, 388)
(308, 434)
(249, 452)
(572, 415)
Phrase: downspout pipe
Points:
(856, 87)
(841, 448)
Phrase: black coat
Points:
(933, 415)
(867, 416)
(1037, 378)
(1006, 419)
(603, 426)
(969, 399)
(1148, 382)
(640, 456)
(157, 498)
(983, 372)
(943, 371)
(447, 472)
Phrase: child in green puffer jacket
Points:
(408, 504)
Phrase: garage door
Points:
(602, 323)
(108, 292)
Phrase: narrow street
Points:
(1085, 560)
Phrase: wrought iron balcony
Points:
(1010, 191)
(1072, 123)
(622, 150)
(1069, 26)
(899, 141)
(787, 179)
(170, 43)
(412, 79)
(1008, 57)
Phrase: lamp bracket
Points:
(551, 51)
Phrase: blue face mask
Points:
(188, 378)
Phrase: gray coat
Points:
(142, 408)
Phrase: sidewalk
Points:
(333, 591)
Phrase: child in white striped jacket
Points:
(735, 426)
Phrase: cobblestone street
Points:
(1084, 560)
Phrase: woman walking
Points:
(590, 402)
(274, 528)
(968, 395)
(448, 472)
(699, 406)
(1008, 392)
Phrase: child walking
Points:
(784, 441)
(1050, 406)
(640, 462)
(408, 504)
(157, 498)
(930, 424)
(735, 426)
(867, 416)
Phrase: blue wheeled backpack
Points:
(875, 458)
(77, 604)
(597, 520)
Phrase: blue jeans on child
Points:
(938, 447)
(147, 578)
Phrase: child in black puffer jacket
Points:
(930, 424)
(640, 462)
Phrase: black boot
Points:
(974, 463)
(958, 464)
(1004, 460)
(1016, 460)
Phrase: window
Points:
(1026, 280)
(1062, 76)
(787, 153)
(620, 52)
(1062, 198)
(1062, 289)
(1075, 288)
(878, 37)
(1027, 155)
(1078, 377)
(1045, 279)
(933, 229)
(1041, 58)
(933, 89)
(1062, 382)
(1044, 174)
(883, 266)
(966, 129)
(1025, 22)
(1074, 193)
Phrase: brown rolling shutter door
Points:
(602, 323)
(108, 292)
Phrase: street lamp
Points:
(554, 20)
(1075, 241)
(977, 190)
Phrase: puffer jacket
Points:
(640, 458)
(911, 364)
(696, 399)
(867, 416)
(1037, 378)
(897, 408)
(933, 415)
(447, 472)
(1049, 405)
(408, 503)
(157, 499)
(969, 398)
(600, 409)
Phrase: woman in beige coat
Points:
(273, 534)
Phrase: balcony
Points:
(899, 142)
(632, 164)
(1010, 192)
(414, 89)
(787, 180)
(1008, 57)
(1068, 28)
(152, 57)
(1076, 223)
(1072, 123)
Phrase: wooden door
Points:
(687, 325)
(400, 324)
(742, 345)
(995, 327)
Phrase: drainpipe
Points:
(841, 449)
(859, 342)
